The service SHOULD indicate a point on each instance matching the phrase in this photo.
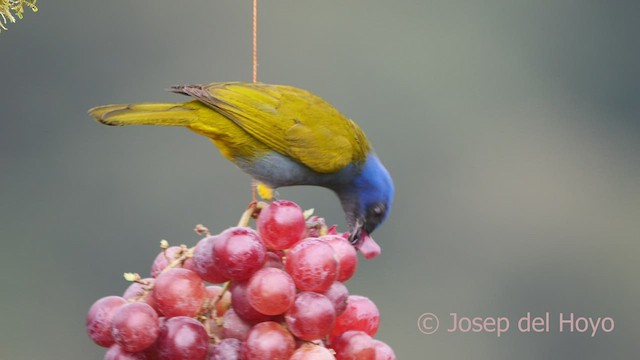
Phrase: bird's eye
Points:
(378, 210)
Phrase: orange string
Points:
(255, 41)
(254, 182)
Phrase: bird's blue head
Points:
(367, 199)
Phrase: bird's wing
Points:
(291, 121)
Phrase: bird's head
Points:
(367, 200)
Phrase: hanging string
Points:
(255, 41)
(254, 182)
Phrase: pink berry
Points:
(182, 338)
(135, 326)
(165, 258)
(346, 255)
(238, 252)
(360, 314)
(312, 352)
(338, 294)
(179, 292)
(383, 351)
(227, 349)
(116, 352)
(311, 317)
(271, 291)
(354, 345)
(267, 341)
(312, 264)
(234, 326)
(281, 224)
(273, 260)
(241, 305)
(137, 292)
(203, 261)
(99, 319)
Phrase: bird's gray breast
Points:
(276, 170)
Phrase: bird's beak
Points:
(364, 243)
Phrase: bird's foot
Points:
(265, 192)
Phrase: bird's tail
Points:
(159, 114)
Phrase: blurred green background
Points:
(511, 129)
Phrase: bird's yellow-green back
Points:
(250, 119)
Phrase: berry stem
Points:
(225, 288)
(202, 230)
(186, 254)
(252, 210)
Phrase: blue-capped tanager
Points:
(282, 136)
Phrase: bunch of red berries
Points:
(282, 297)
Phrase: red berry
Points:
(286, 292)
(238, 252)
(366, 245)
(267, 341)
(354, 345)
(179, 292)
(273, 260)
(227, 349)
(312, 352)
(311, 317)
(182, 338)
(360, 314)
(137, 292)
(338, 295)
(346, 255)
(271, 291)
(203, 261)
(281, 224)
(116, 352)
(164, 258)
(240, 303)
(312, 265)
(383, 351)
(99, 319)
(135, 326)
(234, 326)
(190, 265)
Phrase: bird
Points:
(281, 135)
